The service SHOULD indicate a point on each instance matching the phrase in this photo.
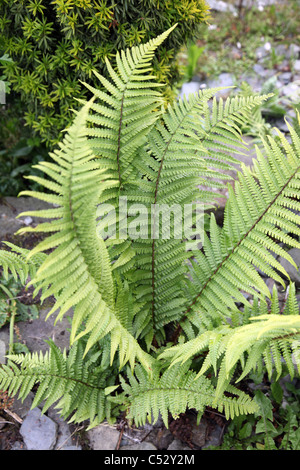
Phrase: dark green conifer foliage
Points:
(54, 44)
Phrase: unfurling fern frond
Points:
(175, 391)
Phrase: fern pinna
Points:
(158, 322)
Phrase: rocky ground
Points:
(24, 429)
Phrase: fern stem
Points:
(119, 137)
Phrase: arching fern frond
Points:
(260, 212)
(77, 271)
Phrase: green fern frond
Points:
(126, 110)
(177, 390)
(272, 337)
(186, 148)
(77, 271)
(77, 387)
(15, 261)
(259, 213)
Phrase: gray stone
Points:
(226, 80)
(292, 90)
(21, 408)
(219, 5)
(71, 448)
(2, 352)
(282, 126)
(140, 446)
(259, 69)
(64, 437)
(255, 82)
(261, 52)
(103, 437)
(4, 335)
(188, 88)
(285, 77)
(38, 331)
(9, 224)
(214, 438)
(199, 432)
(178, 445)
(270, 283)
(18, 446)
(290, 269)
(38, 431)
(281, 50)
(297, 66)
(293, 51)
(163, 439)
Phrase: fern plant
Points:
(157, 326)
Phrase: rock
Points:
(218, 5)
(64, 437)
(259, 69)
(178, 445)
(9, 224)
(281, 125)
(293, 51)
(28, 220)
(4, 335)
(38, 331)
(71, 448)
(292, 90)
(255, 82)
(21, 408)
(18, 446)
(140, 446)
(38, 431)
(297, 66)
(290, 269)
(198, 437)
(103, 437)
(3, 349)
(163, 439)
(281, 50)
(270, 283)
(285, 77)
(261, 52)
(188, 88)
(224, 80)
(214, 438)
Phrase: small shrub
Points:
(55, 45)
